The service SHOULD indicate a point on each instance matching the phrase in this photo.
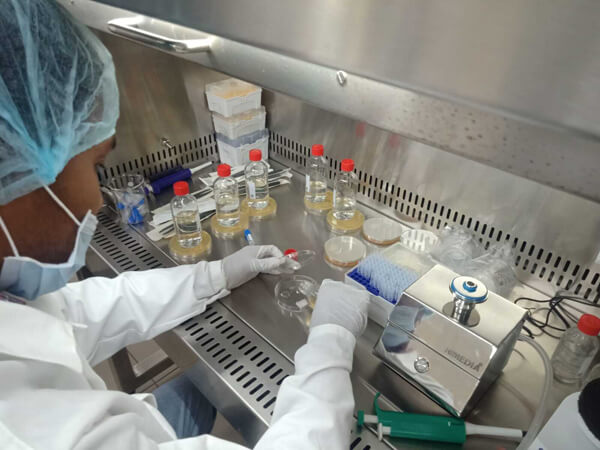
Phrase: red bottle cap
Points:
(291, 251)
(317, 150)
(589, 324)
(181, 188)
(255, 155)
(347, 165)
(223, 170)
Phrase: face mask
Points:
(28, 278)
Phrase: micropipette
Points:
(428, 428)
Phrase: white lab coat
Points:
(50, 397)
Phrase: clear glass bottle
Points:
(227, 197)
(344, 191)
(257, 181)
(186, 216)
(576, 350)
(316, 176)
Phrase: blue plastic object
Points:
(469, 288)
(383, 278)
(249, 237)
(58, 94)
(158, 176)
(170, 180)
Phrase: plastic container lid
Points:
(347, 165)
(181, 188)
(223, 170)
(589, 324)
(344, 251)
(317, 150)
(255, 155)
(382, 231)
(302, 257)
(230, 88)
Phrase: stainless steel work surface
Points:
(510, 402)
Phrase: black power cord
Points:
(555, 309)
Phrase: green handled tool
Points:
(428, 428)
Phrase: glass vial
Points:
(316, 176)
(227, 197)
(257, 181)
(186, 217)
(344, 191)
(576, 350)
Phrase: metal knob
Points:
(421, 364)
(468, 292)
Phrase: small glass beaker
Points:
(129, 196)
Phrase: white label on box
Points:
(307, 183)
(251, 190)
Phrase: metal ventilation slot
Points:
(366, 441)
(124, 249)
(254, 369)
(555, 270)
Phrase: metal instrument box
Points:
(445, 346)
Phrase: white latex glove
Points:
(248, 262)
(341, 304)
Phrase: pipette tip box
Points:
(410, 266)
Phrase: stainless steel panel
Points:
(440, 333)
(522, 147)
(498, 317)
(555, 236)
(237, 371)
(123, 250)
(161, 96)
(538, 59)
(454, 363)
(244, 366)
(446, 383)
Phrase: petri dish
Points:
(382, 231)
(302, 257)
(190, 255)
(344, 251)
(296, 292)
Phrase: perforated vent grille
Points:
(227, 344)
(365, 441)
(184, 154)
(531, 260)
(110, 238)
(253, 369)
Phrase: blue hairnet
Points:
(58, 94)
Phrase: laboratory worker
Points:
(58, 110)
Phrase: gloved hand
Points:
(248, 262)
(341, 304)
